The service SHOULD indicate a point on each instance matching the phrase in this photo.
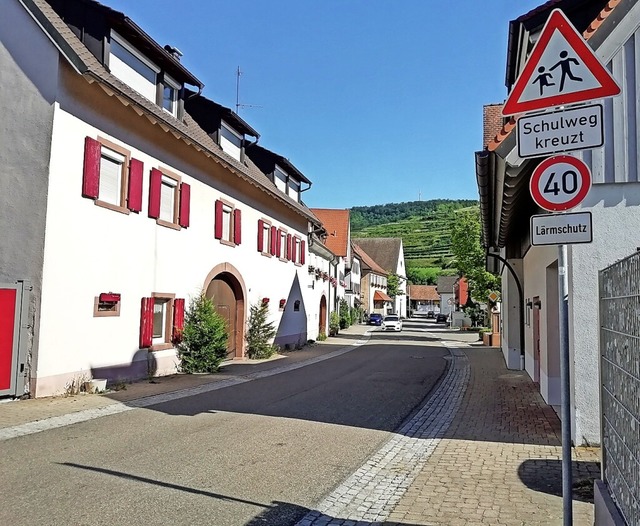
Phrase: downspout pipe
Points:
(520, 294)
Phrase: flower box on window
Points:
(311, 269)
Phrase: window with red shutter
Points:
(146, 322)
(303, 247)
(237, 226)
(289, 250)
(274, 241)
(178, 320)
(260, 235)
(91, 172)
(218, 219)
(134, 192)
(185, 205)
(155, 188)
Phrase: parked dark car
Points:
(441, 318)
(375, 319)
(431, 314)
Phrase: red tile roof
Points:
(423, 293)
(378, 295)
(336, 223)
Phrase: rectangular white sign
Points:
(560, 131)
(561, 229)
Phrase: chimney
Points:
(173, 51)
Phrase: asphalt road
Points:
(263, 452)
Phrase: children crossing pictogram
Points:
(562, 69)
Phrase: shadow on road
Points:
(275, 514)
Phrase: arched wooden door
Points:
(226, 295)
(322, 326)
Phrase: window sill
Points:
(168, 224)
(111, 206)
(161, 346)
(266, 254)
(227, 243)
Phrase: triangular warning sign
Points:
(562, 69)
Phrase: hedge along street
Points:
(560, 131)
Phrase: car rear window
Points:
(391, 318)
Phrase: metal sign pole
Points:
(565, 385)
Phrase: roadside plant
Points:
(345, 314)
(204, 339)
(322, 336)
(334, 323)
(260, 332)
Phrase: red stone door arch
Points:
(225, 288)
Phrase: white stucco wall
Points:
(510, 317)
(616, 220)
(89, 250)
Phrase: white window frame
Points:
(173, 185)
(164, 340)
(294, 193)
(227, 222)
(168, 82)
(266, 238)
(227, 134)
(122, 156)
(283, 245)
(280, 182)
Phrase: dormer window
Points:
(280, 179)
(294, 189)
(170, 89)
(230, 141)
(132, 68)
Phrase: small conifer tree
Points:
(204, 339)
(260, 332)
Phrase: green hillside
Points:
(424, 227)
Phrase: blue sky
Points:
(375, 101)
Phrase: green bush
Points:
(322, 337)
(334, 323)
(260, 333)
(345, 314)
(204, 340)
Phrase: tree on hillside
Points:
(466, 237)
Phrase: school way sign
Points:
(562, 69)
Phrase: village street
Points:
(283, 443)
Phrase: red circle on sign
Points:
(567, 191)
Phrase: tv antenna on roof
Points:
(238, 105)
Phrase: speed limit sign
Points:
(559, 183)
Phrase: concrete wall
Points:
(28, 83)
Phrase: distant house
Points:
(446, 290)
(373, 285)
(388, 252)
(422, 299)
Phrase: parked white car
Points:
(392, 322)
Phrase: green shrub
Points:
(260, 333)
(322, 337)
(204, 340)
(334, 323)
(345, 314)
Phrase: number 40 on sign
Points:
(560, 183)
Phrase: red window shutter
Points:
(274, 240)
(260, 235)
(178, 320)
(279, 243)
(289, 251)
(237, 226)
(185, 205)
(155, 188)
(146, 322)
(303, 247)
(91, 172)
(218, 220)
(134, 192)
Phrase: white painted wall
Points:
(510, 317)
(89, 250)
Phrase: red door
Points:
(7, 338)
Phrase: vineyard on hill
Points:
(424, 226)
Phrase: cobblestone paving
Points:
(500, 461)
(371, 493)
